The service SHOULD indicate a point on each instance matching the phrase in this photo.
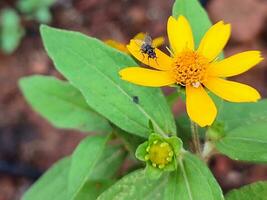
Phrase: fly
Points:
(147, 48)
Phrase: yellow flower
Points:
(140, 36)
(196, 69)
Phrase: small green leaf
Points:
(247, 143)
(135, 186)
(11, 30)
(61, 104)
(84, 159)
(92, 67)
(255, 191)
(192, 181)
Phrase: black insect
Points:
(135, 99)
(147, 47)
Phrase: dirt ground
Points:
(29, 144)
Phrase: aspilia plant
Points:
(95, 99)
(157, 42)
(195, 68)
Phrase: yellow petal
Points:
(200, 106)
(214, 40)
(180, 34)
(158, 41)
(232, 91)
(235, 64)
(117, 45)
(146, 77)
(162, 62)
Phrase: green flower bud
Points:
(159, 153)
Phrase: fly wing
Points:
(148, 39)
(139, 42)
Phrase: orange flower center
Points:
(189, 68)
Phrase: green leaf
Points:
(92, 189)
(11, 30)
(197, 16)
(131, 142)
(255, 191)
(103, 173)
(61, 104)
(173, 98)
(52, 185)
(245, 135)
(83, 162)
(247, 143)
(184, 130)
(93, 67)
(108, 164)
(192, 181)
(135, 186)
(235, 115)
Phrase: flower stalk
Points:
(195, 138)
(208, 151)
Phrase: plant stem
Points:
(195, 137)
(208, 151)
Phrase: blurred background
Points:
(29, 144)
